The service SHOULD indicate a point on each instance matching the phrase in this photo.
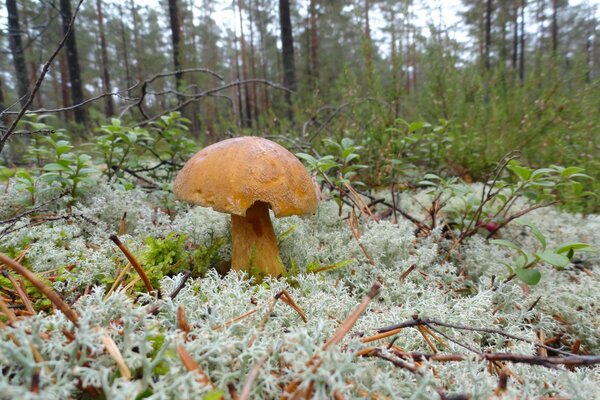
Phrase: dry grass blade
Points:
(380, 335)
(134, 262)
(294, 390)
(287, 299)
(353, 317)
(236, 319)
(181, 320)
(113, 350)
(10, 315)
(20, 291)
(48, 292)
(118, 280)
(190, 364)
(245, 395)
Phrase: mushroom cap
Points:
(233, 174)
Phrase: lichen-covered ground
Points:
(565, 304)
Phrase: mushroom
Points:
(244, 177)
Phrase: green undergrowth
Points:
(328, 274)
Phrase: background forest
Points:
(508, 75)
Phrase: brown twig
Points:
(192, 366)
(134, 262)
(251, 377)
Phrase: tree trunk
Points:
(139, 69)
(515, 52)
(64, 83)
(522, 38)
(125, 51)
(73, 62)
(109, 107)
(247, 118)
(488, 34)
(368, 47)
(287, 49)
(237, 88)
(254, 95)
(314, 45)
(16, 49)
(554, 27)
(395, 89)
(176, 38)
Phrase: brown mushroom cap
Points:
(231, 175)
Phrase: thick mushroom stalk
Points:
(254, 244)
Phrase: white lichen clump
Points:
(465, 291)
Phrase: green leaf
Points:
(566, 247)
(506, 243)
(529, 276)
(567, 172)
(523, 173)
(557, 260)
(55, 167)
(535, 232)
(216, 394)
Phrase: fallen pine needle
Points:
(192, 366)
(113, 350)
(134, 262)
(252, 377)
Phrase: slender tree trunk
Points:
(139, 61)
(395, 90)
(109, 107)
(263, 60)
(247, 118)
(125, 51)
(408, 60)
(254, 95)
(368, 47)
(314, 45)
(64, 83)
(237, 88)
(554, 27)
(16, 49)
(522, 38)
(488, 34)
(176, 39)
(73, 62)
(3, 117)
(287, 48)
(515, 52)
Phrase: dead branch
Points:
(431, 323)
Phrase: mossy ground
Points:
(464, 289)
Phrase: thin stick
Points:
(252, 377)
(380, 335)
(353, 317)
(118, 280)
(191, 365)
(113, 350)
(20, 291)
(134, 262)
(48, 292)
(10, 315)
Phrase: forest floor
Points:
(310, 333)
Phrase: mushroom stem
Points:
(253, 241)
